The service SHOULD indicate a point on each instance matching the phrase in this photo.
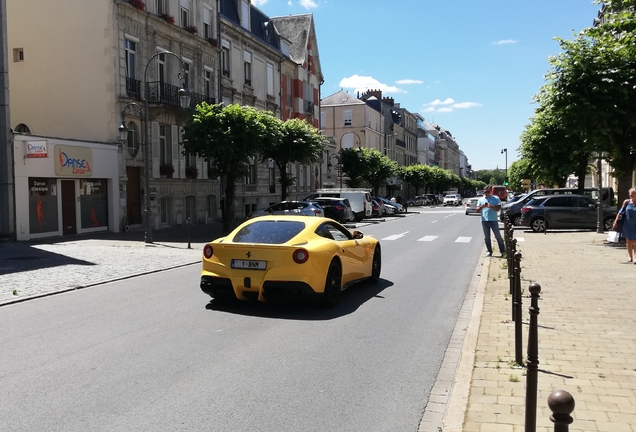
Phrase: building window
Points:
(161, 7)
(270, 79)
(165, 145)
(185, 14)
(207, 84)
(250, 179)
(288, 86)
(210, 208)
(131, 52)
(18, 54)
(207, 19)
(133, 139)
(347, 117)
(272, 179)
(247, 68)
(245, 14)
(165, 210)
(186, 76)
(225, 58)
(190, 208)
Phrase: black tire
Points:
(376, 264)
(538, 224)
(608, 223)
(333, 285)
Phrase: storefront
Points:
(64, 187)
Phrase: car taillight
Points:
(300, 256)
(467, 205)
(208, 251)
(525, 209)
(316, 211)
(339, 208)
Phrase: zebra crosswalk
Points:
(431, 238)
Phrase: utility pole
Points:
(7, 187)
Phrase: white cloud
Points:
(505, 42)
(258, 2)
(409, 81)
(364, 83)
(308, 4)
(289, 3)
(448, 105)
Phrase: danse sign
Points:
(36, 149)
(73, 161)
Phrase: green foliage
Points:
(493, 177)
(364, 165)
(294, 140)
(417, 175)
(519, 170)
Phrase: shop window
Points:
(42, 205)
(93, 204)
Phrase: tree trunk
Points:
(228, 205)
(284, 181)
(581, 171)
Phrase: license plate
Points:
(249, 264)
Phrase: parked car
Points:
(471, 205)
(415, 201)
(377, 209)
(297, 208)
(359, 198)
(513, 209)
(337, 209)
(295, 258)
(388, 207)
(452, 199)
(432, 198)
(565, 212)
(396, 205)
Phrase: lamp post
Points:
(506, 152)
(184, 101)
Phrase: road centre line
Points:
(427, 238)
(395, 236)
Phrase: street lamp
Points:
(184, 101)
(506, 152)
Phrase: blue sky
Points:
(470, 66)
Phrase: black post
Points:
(532, 363)
(561, 404)
(188, 226)
(517, 311)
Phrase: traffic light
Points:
(506, 182)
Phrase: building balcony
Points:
(133, 88)
(308, 106)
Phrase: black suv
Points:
(565, 212)
(337, 209)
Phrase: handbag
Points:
(613, 236)
(621, 218)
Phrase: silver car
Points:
(295, 208)
(471, 205)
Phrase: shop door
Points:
(133, 196)
(69, 217)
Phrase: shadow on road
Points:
(351, 299)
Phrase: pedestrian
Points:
(488, 206)
(628, 230)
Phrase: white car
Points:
(471, 205)
(452, 199)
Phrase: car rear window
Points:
(269, 232)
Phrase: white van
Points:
(359, 198)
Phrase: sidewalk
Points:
(587, 339)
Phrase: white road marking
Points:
(450, 215)
(428, 238)
(434, 221)
(463, 239)
(395, 236)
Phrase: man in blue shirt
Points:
(489, 205)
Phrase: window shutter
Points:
(155, 149)
(174, 131)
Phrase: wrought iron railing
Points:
(309, 106)
(133, 88)
(197, 98)
(160, 92)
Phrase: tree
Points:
(417, 176)
(352, 165)
(294, 140)
(592, 83)
(519, 170)
(228, 137)
(378, 168)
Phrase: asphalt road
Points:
(152, 354)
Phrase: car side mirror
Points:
(357, 235)
(592, 205)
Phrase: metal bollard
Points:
(188, 227)
(561, 404)
(517, 303)
(532, 363)
(510, 261)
